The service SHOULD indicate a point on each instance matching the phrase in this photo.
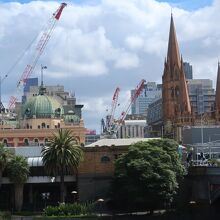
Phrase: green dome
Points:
(42, 106)
(70, 117)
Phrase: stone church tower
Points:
(177, 111)
(217, 97)
(176, 102)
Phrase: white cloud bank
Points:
(97, 47)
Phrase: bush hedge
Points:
(74, 209)
(5, 215)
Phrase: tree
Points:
(147, 175)
(5, 155)
(62, 156)
(18, 171)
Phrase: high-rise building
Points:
(150, 93)
(188, 70)
(30, 82)
(202, 95)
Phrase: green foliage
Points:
(62, 156)
(147, 176)
(5, 155)
(62, 153)
(18, 169)
(5, 215)
(74, 209)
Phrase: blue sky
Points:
(189, 4)
(186, 4)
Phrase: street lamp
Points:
(100, 201)
(74, 195)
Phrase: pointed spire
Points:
(217, 96)
(173, 48)
(185, 95)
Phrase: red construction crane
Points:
(113, 107)
(106, 125)
(110, 129)
(137, 92)
(47, 32)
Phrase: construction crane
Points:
(47, 32)
(2, 108)
(106, 126)
(111, 132)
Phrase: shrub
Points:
(5, 215)
(74, 209)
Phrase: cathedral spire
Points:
(217, 96)
(173, 49)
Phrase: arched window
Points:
(26, 142)
(105, 159)
(36, 141)
(177, 91)
(172, 92)
(43, 125)
(5, 142)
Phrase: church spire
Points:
(173, 49)
(217, 96)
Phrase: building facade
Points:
(202, 95)
(38, 118)
(188, 70)
(151, 92)
(95, 174)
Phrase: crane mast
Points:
(113, 107)
(38, 52)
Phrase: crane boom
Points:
(137, 92)
(39, 50)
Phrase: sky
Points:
(99, 45)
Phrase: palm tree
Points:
(62, 156)
(5, 155)
(18, 171)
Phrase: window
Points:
(105, 159)
(177, 92)
(26, 142)
(43, 125)
(35, 140)
(5, 141)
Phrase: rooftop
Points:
(117, 142)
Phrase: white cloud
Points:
(95, 48)
(134, 42)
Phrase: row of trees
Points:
(62, 155)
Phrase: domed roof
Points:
(42, 106)
(70, 117)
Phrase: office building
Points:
(150, 93)
(188, 70)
